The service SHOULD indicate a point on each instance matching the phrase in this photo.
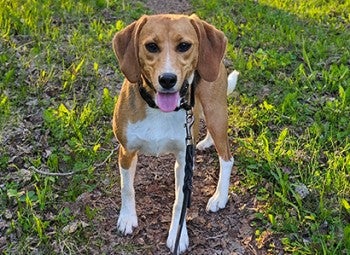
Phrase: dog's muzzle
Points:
(169, 101)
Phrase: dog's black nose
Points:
(167, 80)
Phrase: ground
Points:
(228, 231)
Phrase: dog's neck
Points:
(184, 92)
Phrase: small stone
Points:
(302, 190)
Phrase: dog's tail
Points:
(232, 81)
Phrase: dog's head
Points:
(167, 50)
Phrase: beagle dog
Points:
(159, 56)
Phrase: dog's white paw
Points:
(184, 241)
(205, 143)
(217, 202)
(126, 222)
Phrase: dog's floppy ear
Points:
(126, 49)
(212, 46)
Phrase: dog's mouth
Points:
(167, 102)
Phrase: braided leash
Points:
(187, 186)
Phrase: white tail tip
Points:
(232, 81)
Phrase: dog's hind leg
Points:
(216, 118)
(206, 142)
(218, 131)
(220, 197)
(127, 166)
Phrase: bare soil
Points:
(169, 6)
(228, 231)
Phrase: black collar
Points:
(184, 93)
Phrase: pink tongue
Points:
(167, 102)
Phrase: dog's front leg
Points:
(179, 196)
(127, 218)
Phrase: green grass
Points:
(289, 119)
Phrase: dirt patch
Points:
(228, 231)
(169, 6)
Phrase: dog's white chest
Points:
(158, 133)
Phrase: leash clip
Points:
(188, 126)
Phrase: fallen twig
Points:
(107, 158)
(71, 173)
(50, 173)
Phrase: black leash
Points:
(190, 154)
(187, 186)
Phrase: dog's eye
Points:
(152, 47)
(183, 47)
